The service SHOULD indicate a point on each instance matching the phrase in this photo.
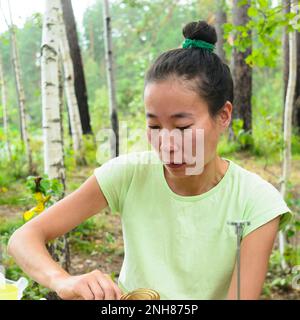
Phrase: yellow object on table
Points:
(9, 292)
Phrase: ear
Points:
(224, 116)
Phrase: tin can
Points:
(141, 294)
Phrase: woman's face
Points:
(170, 105)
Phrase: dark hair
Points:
(211, 76)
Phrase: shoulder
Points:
(136, 159)
(251, 181)
(262, 200)
(129, 163)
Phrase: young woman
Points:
(175, 225)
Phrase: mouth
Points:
(175, 165)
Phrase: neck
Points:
(190, 185)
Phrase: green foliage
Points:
(268, 140)
(49, 187)
(277, 280)
(263, 30)
(293, 229)
(242, 137)
(7, 228)
(295, 143)
(227, 147)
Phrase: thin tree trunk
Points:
(285, 41)
(52, 108)
(296, 110)
(20, 94)
(53, 141)
(114, 139)
(76, 127)
(288, 111)
(242, 72)
(5, 113)
(286, 4)
(221, 19)
(79, 79)
(61, 108)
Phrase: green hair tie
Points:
(193, 43)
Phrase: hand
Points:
(94, 285)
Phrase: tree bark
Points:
(285, 41)
(285, 46)
(114, 139)
(5, 113)
(242, 72)
(53, 141)
(20, 94)
(221, 19)
(76, 128)
(296, 109)
(79, 79)
(52, 120)
(287, 133)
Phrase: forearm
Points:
(30, 253)
(248, 290)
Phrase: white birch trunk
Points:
(5, 117)
(53, 140)
(287, 131)
(114, 139)
(20, 93)
(52, 116)
(76, 129)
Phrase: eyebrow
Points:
(175, 115)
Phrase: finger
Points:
(84, 291)
(96, 288)
(107, 287)
(118, 291)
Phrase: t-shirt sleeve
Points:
(264, 204)
(114, 177)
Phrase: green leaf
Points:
(252, 12)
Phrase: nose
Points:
(171, 146)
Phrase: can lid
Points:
(141, 294)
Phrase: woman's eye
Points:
(182, 128)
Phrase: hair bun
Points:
(200, 30)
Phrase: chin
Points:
(180, 170)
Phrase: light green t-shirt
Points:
(182, 246)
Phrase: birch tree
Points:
(286, 5)
(287, 127)
(114, 139)
(74, 116)
(5, 113)
(20, 93)
(51, 111)
(53, 141)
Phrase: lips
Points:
(175, 165)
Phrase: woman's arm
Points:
(27, 245)
(256, 248)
